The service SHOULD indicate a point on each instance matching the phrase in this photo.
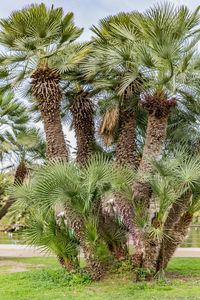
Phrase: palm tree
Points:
(34, 39)
(77, 100)
(77, 190)
(166, 52)
(52, 235)
(111, 61)
(12, 114)
(21, 148)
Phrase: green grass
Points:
(33, 285)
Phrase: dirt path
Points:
(27, 251)
(10, 266)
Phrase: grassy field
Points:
(182, 282)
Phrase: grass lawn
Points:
(182, 282)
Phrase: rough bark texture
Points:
(66, 264)
(93, 266)
(127, 212)
(155, 136)
(176, 211)
(151, 253)
(20, 175)
(46, 89)
(56, 146)
(126, 147)
(173, 216)
(83, 120)
(176, 237)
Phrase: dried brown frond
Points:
(108, 125)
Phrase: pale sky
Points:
(87, 13)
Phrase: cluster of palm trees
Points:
(132, 96)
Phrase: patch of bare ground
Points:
(9, 266)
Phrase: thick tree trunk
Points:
(158, 108)
(46, 89)
(176, 211)
(126, 155)
(175, 238)
(66, 264)
(127, 212)
(155, 136)
(56, 146)
(151, 253)
(83, 120)
(20, 175)
(93, 266)
(173, 216)
(126, 147)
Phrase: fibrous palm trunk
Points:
(158, 107)
(126, 154)
(173, 216)
(155, 136)
(66, 264)
(83, 119)
(93, 266)
(126, 147)
(127, 212)
(20, 175)
(46, 89)
(175, 238)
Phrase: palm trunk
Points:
(66, 264)
(56, 146)
(151, 253)
(46, 89)
(158, 108)
(83, 120)
(174, 215)
(127, 212)
(176, 237)
(20, 175)
(155, 136)
(126, 147)
(126, 155)
(93, 266)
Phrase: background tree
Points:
(21, 149)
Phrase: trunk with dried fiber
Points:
(126, 154)
(83, 119)
(174, 239)
(151, 254)
(46, 89)
(127, 212)
(66, 264)
(20, 175)
(175, 212)
(126, 147)
(158, 107)
(93, 266)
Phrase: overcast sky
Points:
(87, 13)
